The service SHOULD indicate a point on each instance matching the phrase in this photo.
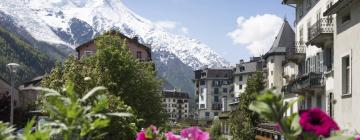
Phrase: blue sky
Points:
(236, 29)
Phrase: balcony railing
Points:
(320, 31)
(307, 82)
(216, 106)
(296, 53)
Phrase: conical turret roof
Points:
(284, 39)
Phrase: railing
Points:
(216, 106)
(323, 25)
(304, 82)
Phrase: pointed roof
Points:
(284, 39)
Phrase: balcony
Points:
(321, 32)
(307, 82)
(216, 106)
(296, 53)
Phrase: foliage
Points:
(75, 117)
(13, 49)
(6, 131)
(273, 108)
(243, 120)
(71, 117)
(126, 78)
(215, 130)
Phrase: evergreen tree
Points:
(126, 79)
(243, 120)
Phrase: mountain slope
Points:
(32, 62)
(73, 22)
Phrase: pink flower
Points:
(317, 122)
(357, 138)
(141, 136)
(171, 136)
(194, 133)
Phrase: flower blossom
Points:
(194, 133)
(317, 122)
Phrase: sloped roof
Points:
(284, 39)
(175, 94)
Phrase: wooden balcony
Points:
(307, 82)
(321, 32)
(297, 53)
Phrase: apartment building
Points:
(138, 50)
(176, 104)
(346, 50)
(213, 86)
(314, 78)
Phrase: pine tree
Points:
(243, 120)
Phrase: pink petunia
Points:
(194, 133)
(141, 136)
(171, 136)
(318, 122)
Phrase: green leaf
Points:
(259, 107)
(295, 126)
(92, 92)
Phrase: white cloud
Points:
(166, 25)
(257, 33)
(184, 30)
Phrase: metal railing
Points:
(304, 82)
(323, 25)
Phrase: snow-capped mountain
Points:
(67, 23)
(73, 22)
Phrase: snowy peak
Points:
(73, 22)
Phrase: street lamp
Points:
(13, 67)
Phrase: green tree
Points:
(243, 120)
(114, 67)
(215, 130)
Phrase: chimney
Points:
(241, 61)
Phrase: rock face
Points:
(67, 23)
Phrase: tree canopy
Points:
(243, 120)
(125, 77)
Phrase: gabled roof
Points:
(284, 39)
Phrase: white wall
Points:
(275, 79)
(347, 112)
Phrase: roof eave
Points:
(336, 7)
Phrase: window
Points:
(241, 78)
(138, 55)
(216, 113)
(216, 98)
(346, 75)
(225, 75)
(240, 86)
(242, 68)
(88, 53)
(318, 101)
(174, 100)
(225, 90)
(216, 90)
(272, 60)
(202, 82)
(207, 114)
(272, 72)
(202, 106)
(309, 102)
